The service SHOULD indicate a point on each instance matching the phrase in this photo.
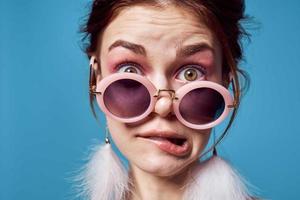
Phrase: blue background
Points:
(46, 125)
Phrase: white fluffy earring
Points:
(215, 179)
(104, 176)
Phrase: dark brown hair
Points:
(223, 18)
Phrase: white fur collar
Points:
(105, 178)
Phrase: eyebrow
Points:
(136, 48)
(190, 50)
(184, 51)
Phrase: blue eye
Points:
(129, 68)
(191, 73)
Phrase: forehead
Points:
(157, 28)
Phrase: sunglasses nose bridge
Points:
(171, 93)
(164, 103)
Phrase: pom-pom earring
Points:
(215, 179)
(104, 176)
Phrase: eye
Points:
(129, 68)
(191, 73)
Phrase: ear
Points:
(95, 67)
(92, 61)
(95, 73)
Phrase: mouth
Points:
(168, 141)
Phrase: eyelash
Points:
(127, 62)
(177, 71)
(192, 65)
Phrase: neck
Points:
(147, 186)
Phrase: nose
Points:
(164, 104)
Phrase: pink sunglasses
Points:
(130, 97)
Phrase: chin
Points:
(162, 165)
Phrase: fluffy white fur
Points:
(104, 177)
(215, 179)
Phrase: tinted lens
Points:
(201, 106)
(126, 98)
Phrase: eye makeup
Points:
(129, 64)
(202, 61)
(119, 57)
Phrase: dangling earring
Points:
(214, 178)
(107, 141)
(104, 176)
(215, 153)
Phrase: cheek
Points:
(118, 132)
(123, 138)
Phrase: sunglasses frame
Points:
(155, 93)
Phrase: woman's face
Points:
(170, 47)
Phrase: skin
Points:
(157, 174)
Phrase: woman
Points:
(160, 71)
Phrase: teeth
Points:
(158, 138)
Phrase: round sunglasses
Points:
(130, 97)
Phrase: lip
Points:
(160, 138)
